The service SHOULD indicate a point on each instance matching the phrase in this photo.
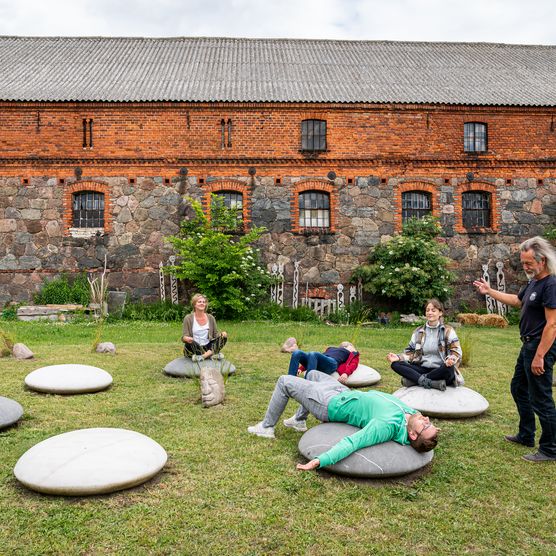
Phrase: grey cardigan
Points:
(187, 329)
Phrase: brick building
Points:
(329, 144)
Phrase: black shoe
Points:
(408, 383)
(438, 385)
(516, 440)
(537, 457)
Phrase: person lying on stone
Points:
(433, 352)
(200, 335)
(381, 417)
(343, 359)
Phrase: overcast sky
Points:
(507, 21)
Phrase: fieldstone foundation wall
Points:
(35, 243)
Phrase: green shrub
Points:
(466, 348)
(218, 262)
(6, 343)
(161, 311)
(9, 312)
(409, 269)
(513, 315)
(61, 291)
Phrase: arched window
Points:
(416, 204)
(232, 200)
(474, 137)
(313, 135)
(476, 209)
(88, 209)
(314, 209)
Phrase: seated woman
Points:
(343, 359)
(434, 350)
(200, 335)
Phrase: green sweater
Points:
(380, 416)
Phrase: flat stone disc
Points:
(68, 379)
(185, 367)
(10, 412)
(362, 376)
(90, 461)
(388, 459)
(456, 403)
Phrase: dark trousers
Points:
(533, 395)
(413, 371)
(216, 344)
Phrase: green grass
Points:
(225, 492)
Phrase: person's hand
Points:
(343, 378)
(224, 334)
(537, 365)
(187, 339)
(392, 357)
(313, 464)
(481, 286)
(450, 360)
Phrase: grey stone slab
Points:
(90, 461)
(10, 412)
(68, 379)
(388, 459)
(362, 376)
(455, 403)
(185, 367)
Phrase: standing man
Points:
(531, 384)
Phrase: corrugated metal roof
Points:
(274, 70)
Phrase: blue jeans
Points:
(312, 360)
(533, 394)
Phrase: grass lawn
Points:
(226, 492)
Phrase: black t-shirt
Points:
(534, 297)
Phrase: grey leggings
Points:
(313, 393)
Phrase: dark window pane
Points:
(476, 209)
(314, 209)
(416, 204)
(88, 209)
(474, 137)
(313, 135)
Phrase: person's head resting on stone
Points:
(348, 345)
(423, 435)
(199, 302)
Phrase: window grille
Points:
(88, 209)
(416, 204)
(313, 135)
(476, 209)
(474, 137)
(314, 209)
(232, 200)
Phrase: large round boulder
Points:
(455, 403)
(90, 461)
(185, 367)
(10, 412)
(68, 379)
(388, 459)
(362, 376)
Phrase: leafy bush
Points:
(9, 312)
(6, 344)
(409, 269)
(162, 311)
(276, 313)
(218, 262)
(61, 291)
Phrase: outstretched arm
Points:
(313, 464)
(507, 298)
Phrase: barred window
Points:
(232, 200)
(88, 209)
(476, 209)
(314, 209)
(474, 137)
(416, 204)
(313, 135)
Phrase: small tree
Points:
(219, 262)
(410, 268)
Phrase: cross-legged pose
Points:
(531, 384)
(342, 359)
(381, 417)
(433, 351)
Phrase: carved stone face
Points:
(212, 387)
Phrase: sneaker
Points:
(408, 383)
(217, 357)
(293, 423)
(259, 430)
(537, 457)
(197, 358)
(438, 385)
(516, 440)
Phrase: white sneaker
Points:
(197, 358)
(259, 430)
(293, 423)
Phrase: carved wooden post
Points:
(280, 285)
(173, 282)
(340, 296)
(295, 294)
(274, 285)
(352, 294)
(161, 281)
(490, 303)
(501, 285)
